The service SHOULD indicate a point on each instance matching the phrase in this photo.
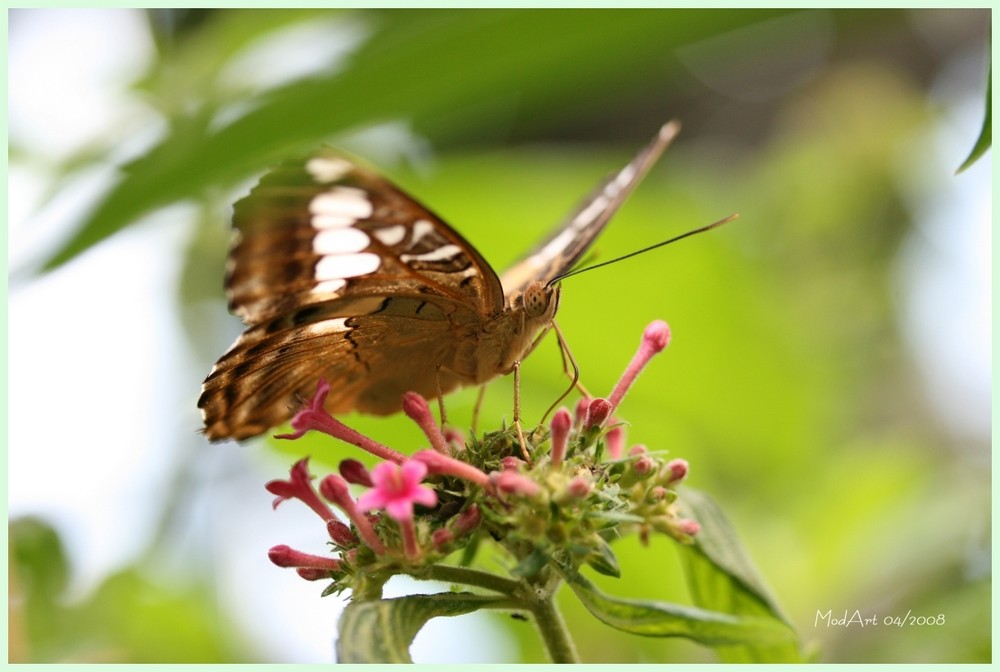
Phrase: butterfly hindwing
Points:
(373, 348)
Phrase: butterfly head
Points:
(540, 300)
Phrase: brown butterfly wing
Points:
(372, 349)
(326, 228)
(568, 242)
(343, 276)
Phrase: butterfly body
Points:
(341, 275)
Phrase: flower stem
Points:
(472, 577)
(553, 630)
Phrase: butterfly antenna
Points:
(702, 229)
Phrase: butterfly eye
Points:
(536, 299)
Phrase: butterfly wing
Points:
(372, 349)
(557, 254)
(326, 228)
(340, 274)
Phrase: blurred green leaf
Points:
(602, 559)
(985, 139)
(722, 577)
(128, 618)
(449, 73)
(381, 631)
(662, 619)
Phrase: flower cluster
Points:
(582, 489)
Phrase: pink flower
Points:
(299, 486)
(397, 489)
(654, 339)
(315, 417)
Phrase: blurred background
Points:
(829, 378)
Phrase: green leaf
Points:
(381, 631)
(663, 619)
(602, 559)
(722, 577)
(986, 133)
(531, 564)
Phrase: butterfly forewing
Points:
(341, 275)
(557, 254)
(326, 228)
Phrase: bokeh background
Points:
(829, 377)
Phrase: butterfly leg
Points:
(517, 412)
(480, 396)
(568, 361)
(440, 390)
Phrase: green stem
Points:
(471, 577)
(553, 630)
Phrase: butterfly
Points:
(340, 275)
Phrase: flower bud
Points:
(511, 463)
(415, 406)
(514, 483)
(598, 412)
(467, 520)
(355, 472)
(340, 534)
(441, 537)
(654, 339)
(561, 424)
(676, 471)
(579, 487)
(614, 440)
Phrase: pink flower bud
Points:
(442, 464)
(689, 527)
(340, 534)
(598, 412)
(644, 466)
(441, 537)
(417, 409)
(615, 442)
(562, 421)
(514, 483)
(355, 472)
(656, 336)
(511, 463)
(637, 449)
(676, 471)
(312, 573)
(654, 339)
(455, 438)
(467, 520)
(580, 412)
(335, 489)
(285, 556)
(579, 487)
